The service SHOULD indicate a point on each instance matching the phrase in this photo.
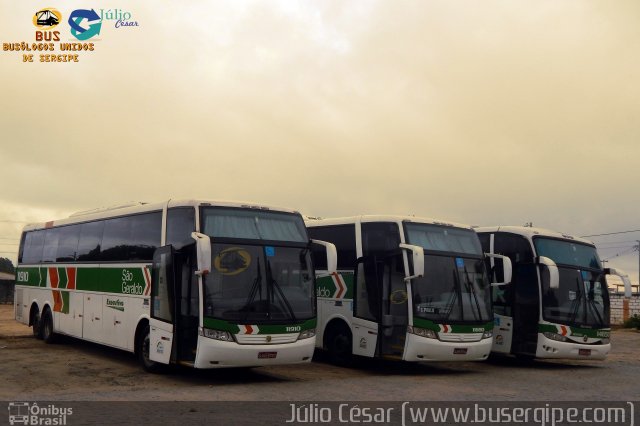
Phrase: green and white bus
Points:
(557, 303)
(203, 284)
(406, 288)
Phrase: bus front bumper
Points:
(213, 353)
(424, 349)
(548, 348)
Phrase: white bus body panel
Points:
(548, 348)
(420, 348)
(213, 353)
(502, 334)
(365, 336)
(160, 341)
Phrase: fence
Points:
(622, 309)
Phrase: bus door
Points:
(162, 321)
(526, 309)
(187, 303)
(395, 314)
(366, 307)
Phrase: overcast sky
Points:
(493, 112)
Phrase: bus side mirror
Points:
(417, 255)
(332, 255)
(203, 249)
(623, 276)
(507, 267)
(554, 274)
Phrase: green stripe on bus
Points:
(455, 328)
(594, 333)
(217, 324)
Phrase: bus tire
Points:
(46, 327)
(143, 345)
(339, 345)
(35, 323)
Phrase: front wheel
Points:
(339, 346)
(144, 342)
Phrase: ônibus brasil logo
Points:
(85, 24)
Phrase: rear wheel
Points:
(35, 323)
(46, 329)
(143, 353)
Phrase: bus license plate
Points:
(585, 352)
(459, 351)
(262, 355)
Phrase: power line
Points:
(622, 253)
(611, 233)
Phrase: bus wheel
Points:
(35, 322)
(339, 346)
(46, 328)
(143, 352)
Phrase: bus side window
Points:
(181, 223)
(342, 236)
(33, 245)
(519, 251)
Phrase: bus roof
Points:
(530, 232)
(140, 207)
(311, 222)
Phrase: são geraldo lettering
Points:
(128, 286)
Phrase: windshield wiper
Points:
(256, 287)
(455, 294)
(471, 288)
(576, 303)
(275, 285)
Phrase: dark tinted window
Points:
(146, 230)
(33, 244)
(131, 237)
(343, 237)
(379, 238)
(180, 225)
(50, 245)
(517, 248)
(89, 244)
(67, 243)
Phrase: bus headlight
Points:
(422, 332)
(307, 334)
(555, 336)
(488, 334)
(225, 336)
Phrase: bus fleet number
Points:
(23, 276)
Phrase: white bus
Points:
(557, 303)
(203, 284)
(406, 288)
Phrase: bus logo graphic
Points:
(47, 18)
(27, 413)
(19, 413)
(232, 261)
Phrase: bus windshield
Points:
(569, 253)
(253, 224)
(582, 298)
(251, 284)
(443, 238)
(455, 287)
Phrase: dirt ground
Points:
(73, 370)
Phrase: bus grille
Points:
(460, 337)
(266, 339)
